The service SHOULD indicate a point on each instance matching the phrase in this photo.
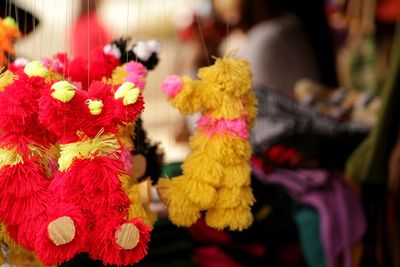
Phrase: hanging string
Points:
(25, 22)
(34, 28)
(203, 42)
(138, 131)
(42, 34)
(88, 40)
(169, 71)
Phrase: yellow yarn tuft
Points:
(35, 68)
(231, 73)
(6, 78)
(182, 211)
(223, 148)
(211, 172)
(17, 256)
(63, 91)
(232, 218)
(10, 22)
(128, 92)
(124, 133)
(137, 208)
(231, 197)
(10, 157)
(119, 75)
(187, 101)
(100, 145)
(199, 193)
(238, 175)
(131, 97)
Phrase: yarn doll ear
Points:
(122, 45)
(146, 53)
(118, 48)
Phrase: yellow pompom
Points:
(10, 156)
(232, 218)
(10, 22)
(35, 68)
(237, 175)
(129, 92)
(232, 197)
(198, 192)
(137, 208)
(234, 74)
(211, 171)
(186, 101)
(182, 211)
(123, 90)
(6, 78)
(95, 107)
(223, 148)
(119, 75)
(131, 97)
(63, 91)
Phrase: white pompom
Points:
(154, 46)
(21, 61)
(142, 51)
(112, 49)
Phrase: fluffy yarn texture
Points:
(216, 175)
(89, 186)
(25, 164)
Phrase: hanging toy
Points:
(25, 157)
(136, 164)
(146, 53)
(9, 33)
(216, 175)
(89, 211)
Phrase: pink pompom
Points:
(172, 85)
(137, 68)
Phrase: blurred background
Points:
(326, 74)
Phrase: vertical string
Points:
(127, 134)
(25, 21)
(88, 45)
(169, 71)
(203, 42)
(138, 126)
(42, 33)
(34, 28)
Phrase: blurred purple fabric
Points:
(342, 222)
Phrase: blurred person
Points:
(88, 32)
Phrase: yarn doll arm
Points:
(181, 93)
(129, 103)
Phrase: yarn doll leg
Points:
(64, 234)
(24, 196)
(114, 239)
(139, 197)
(182, 211)
(195, 190)
(234, 198)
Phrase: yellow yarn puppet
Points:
(216, 175)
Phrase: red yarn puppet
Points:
(89, 209)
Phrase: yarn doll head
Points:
(229, 75)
